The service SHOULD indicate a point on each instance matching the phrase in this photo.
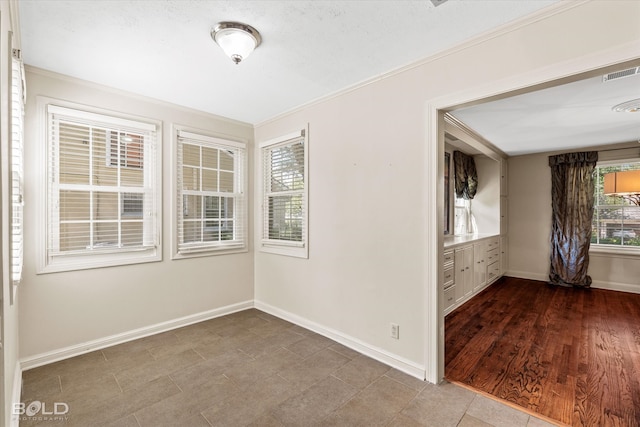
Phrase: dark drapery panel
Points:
(572, 198)
(466, 182)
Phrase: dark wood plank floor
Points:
(572, 355)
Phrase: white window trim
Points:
(615, 250)
(220, 140)
(52, 264)
(283, 247)
(16, 165)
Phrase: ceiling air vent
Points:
(620, 74)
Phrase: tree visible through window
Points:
(285, 195)
(616, 221)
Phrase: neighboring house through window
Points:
(210, 195)
(285, 195)
(616, 221)
(102, 190)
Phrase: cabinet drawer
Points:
(493, 243)
(448, 258)
(492, 256)
(448, 276)
(449, 297)
(493, 271)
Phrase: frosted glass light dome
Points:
(237, 40)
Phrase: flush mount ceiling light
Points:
(632, 106)
(236, 40)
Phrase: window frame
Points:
(241, 206)
(617, 250)
(17, 104)
(299, 249)
(107, 256)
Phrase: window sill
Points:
(614, 251)
(85, 261)
(209, 252)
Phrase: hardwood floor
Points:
(572, 355)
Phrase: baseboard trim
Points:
(613, 286)
(16, 394)
(527, 275)
(395, 361)
(76, 350)
(596, 284)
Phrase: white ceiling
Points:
(311, 49)
(570, 116)
(163, 49)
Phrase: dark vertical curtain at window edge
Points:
(572, 200)
(466, 175)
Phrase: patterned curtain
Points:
(572, 199)
(466, 183)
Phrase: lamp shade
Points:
(627, 182)
(236, 40)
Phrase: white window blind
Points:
(285, 193)
(17, 165)
(210, 199)
(102, 194)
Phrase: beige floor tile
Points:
(402, 420)
(246, 375)
(266, 420)
(317, 367)
(496, 413)
(361, 371)
(104, 410)
(182, 406)
(440, 405)
(406, 379)
(315, 403)
(206, 370)
(140, 374)
(469, 421)
(357, 412)
(537, 422)
(343, 350)
(41, 387)
(387, 395)
(246, 407)
(128, 421)
(309, 345)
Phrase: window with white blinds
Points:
(285, 195)
(17, 166)
(103, 196)
(210, 195)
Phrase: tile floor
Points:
(247, 369)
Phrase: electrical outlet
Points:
(395, 331)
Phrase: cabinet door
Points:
(464, 272)
(480, 265)
(503, 254)
(504, 215)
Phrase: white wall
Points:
(486, 203)
(530, 230)
(61, 310)
(368, 197)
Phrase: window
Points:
(102, 191)
(211, 201)
(285, 195)
(17, 165)
(616, 220)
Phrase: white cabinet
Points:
(463, 272)
(504, 218)
(503, 255)
(448, 280)
(503, 177)
(468, 268)
(479, 265)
